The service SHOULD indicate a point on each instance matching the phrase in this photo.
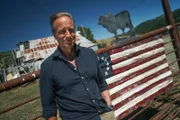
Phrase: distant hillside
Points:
(156, 23)
(108, 41)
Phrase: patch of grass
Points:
(25, 112)
(18, 95)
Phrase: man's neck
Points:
(69, 54)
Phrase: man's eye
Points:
(71, 30)
(62, 32)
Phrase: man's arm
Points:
(49, 109)
(103, 84)
(105, 94)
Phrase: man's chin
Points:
(68, 46)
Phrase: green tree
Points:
(6, 59)
(87, 33)
(101, 45)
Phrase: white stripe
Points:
(142, 97)
(137, 58)
(138, 78)
(135, 49)
(141, 87)
(130, 71)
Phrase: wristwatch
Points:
(111, 107)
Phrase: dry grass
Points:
(19, 95)
(108, 41)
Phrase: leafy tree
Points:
(101, 45)
(87, 33)
(6, 59)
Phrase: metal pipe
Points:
(173, 116)
(147, 106)
(174, 61)
(168, 41)
(175, 73)
(173, 32)
(19, 81)
(168, 112)
(161, 113)
(171, 52)
(13, 107)
(177, 24)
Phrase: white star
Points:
(106, 73)
(107, 68)
(107, 63)
(102, 58)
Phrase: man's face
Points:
(64, 32)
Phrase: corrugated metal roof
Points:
(43, 47)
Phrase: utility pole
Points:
(83, 31)
(14, 57)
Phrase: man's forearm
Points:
(52, 118)
(106, 95)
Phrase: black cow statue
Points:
(121, 21)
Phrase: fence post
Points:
(173, 32)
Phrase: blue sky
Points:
(23, 20)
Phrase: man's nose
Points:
(68, 33)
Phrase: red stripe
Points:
(132, 45)
(45, 46)
(138, 83)
(53, 45)
(32, 56)
(137, 63)
(130, 110)
(48, 46)
(134, 74)
(125, 101)
(137, 53)
(25, 51)
(41, 47)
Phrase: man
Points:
(71, 79)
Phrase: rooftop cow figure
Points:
(121, 21)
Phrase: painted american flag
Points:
(135, 74)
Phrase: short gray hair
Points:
(58, 15)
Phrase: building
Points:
(32, 53)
